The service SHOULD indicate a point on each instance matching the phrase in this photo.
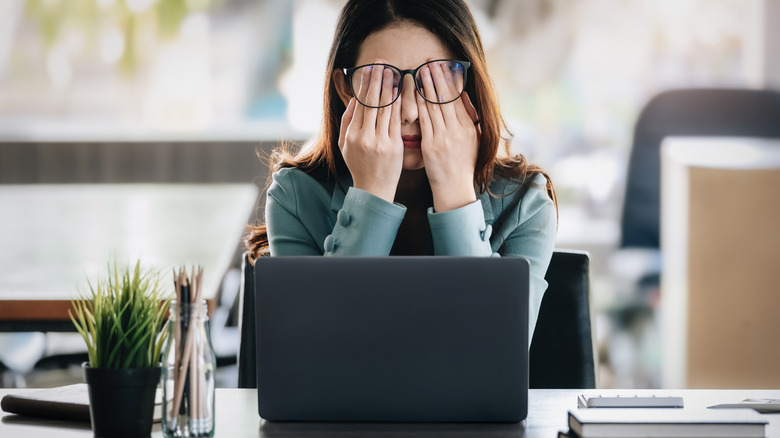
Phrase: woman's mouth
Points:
(411, 141)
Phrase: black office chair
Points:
(561, 353)
(247, 349)
(685, 112)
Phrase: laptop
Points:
(392, 339)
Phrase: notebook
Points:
(655, 422)
(70, 402)
(392, 339)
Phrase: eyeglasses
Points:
(454, 73)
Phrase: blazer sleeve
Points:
(464, 232)
(287, 233)
(297, 220)
(461, 232)
(534, 239)
(366, 225)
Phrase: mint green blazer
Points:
(309, 216)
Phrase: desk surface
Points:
(54, 237)
(237, 417)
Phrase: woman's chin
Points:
(413, 159)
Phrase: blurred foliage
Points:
(135, 20)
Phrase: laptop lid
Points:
(408, 339)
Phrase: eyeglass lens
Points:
(446, 82)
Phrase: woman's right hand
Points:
(370, 138)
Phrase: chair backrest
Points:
(561, 353)
(247, 349)
(685, 112)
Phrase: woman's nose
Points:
(408, 101)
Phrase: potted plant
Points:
(122, 322)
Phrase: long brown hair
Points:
(451, 21)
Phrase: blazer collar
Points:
(487, 207)
(343, 183)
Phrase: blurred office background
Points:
(572, 77)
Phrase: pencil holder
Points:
(188, 373)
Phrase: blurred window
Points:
(571, 75)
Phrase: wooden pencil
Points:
(189, 373)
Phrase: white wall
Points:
(762, 44)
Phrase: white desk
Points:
(54, 237)
(236, 411)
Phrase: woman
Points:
(405, 163)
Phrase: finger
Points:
(346, 119)
(426, 127)
(444, 92)
(464, 109)
(388, 87)
(430, 93)
(472, 112)
(395, 119)
(428, 87)
(372, 97)
(361, 96)
(462, 114)
(469, 107)
(454, 78)
(453, 83)
(459, 76)
(385, 97)
(374, 86)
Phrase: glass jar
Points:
(188, 370)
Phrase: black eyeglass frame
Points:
(349, 72)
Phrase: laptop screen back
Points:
(412, 339)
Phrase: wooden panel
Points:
(734, 278)
(122, 162)
(48, 315)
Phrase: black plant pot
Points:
(121, 401)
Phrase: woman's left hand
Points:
(450, 140)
